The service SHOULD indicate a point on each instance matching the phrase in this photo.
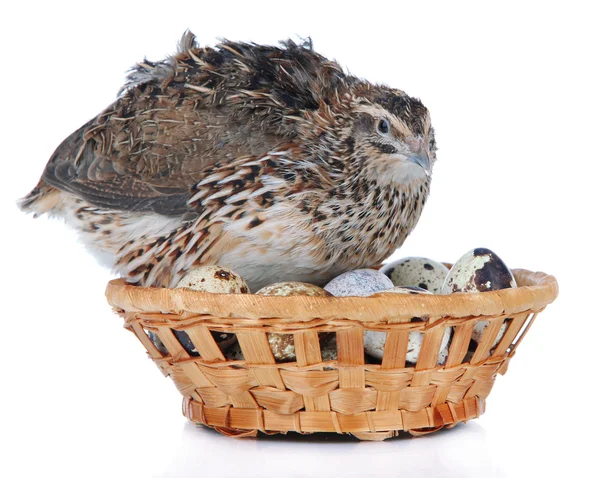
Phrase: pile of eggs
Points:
(479, 270)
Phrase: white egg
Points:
(359, 282)
(375, 341)
(417, 271)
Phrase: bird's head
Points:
(389, 138)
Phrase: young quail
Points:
(269, 160)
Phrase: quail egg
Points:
(329, 348)
(214, 279)
(182, 337)
(157, 343)
(282, 345)
(359, 282)
(217, 280)
(417, 271)
(480, 270)
(293, 288)
(234, 352)
(375, 341)
(403, 289)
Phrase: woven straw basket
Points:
(372, 401)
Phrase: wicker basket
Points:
(372, 401)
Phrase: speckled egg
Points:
(183, 339)
(214, 279)
(359, 282)
(403, 289)
(282, 345)
(234, 352)
(417, 271)
(223, 340)
(479, 270)
(157, 343)
(293, 288)
(375, 341)
(329, 349)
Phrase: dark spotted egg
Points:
(480, 270)
(417, 271)
(234, 352)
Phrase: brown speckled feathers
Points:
(268, 160)
(177, 117)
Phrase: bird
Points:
(267, 159)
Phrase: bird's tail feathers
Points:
(42, 199)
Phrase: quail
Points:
(270, 160)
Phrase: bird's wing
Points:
(174, 119)
(146, 151)
(81, 166)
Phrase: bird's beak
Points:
(422, 159)
(419, 154)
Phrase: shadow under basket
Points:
(373, 399)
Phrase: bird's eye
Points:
(383, 126)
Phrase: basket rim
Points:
(538, 289)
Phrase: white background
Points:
(514, 95)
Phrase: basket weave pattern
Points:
(373, 401)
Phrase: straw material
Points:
(353, 394)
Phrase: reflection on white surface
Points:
(458, 452)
